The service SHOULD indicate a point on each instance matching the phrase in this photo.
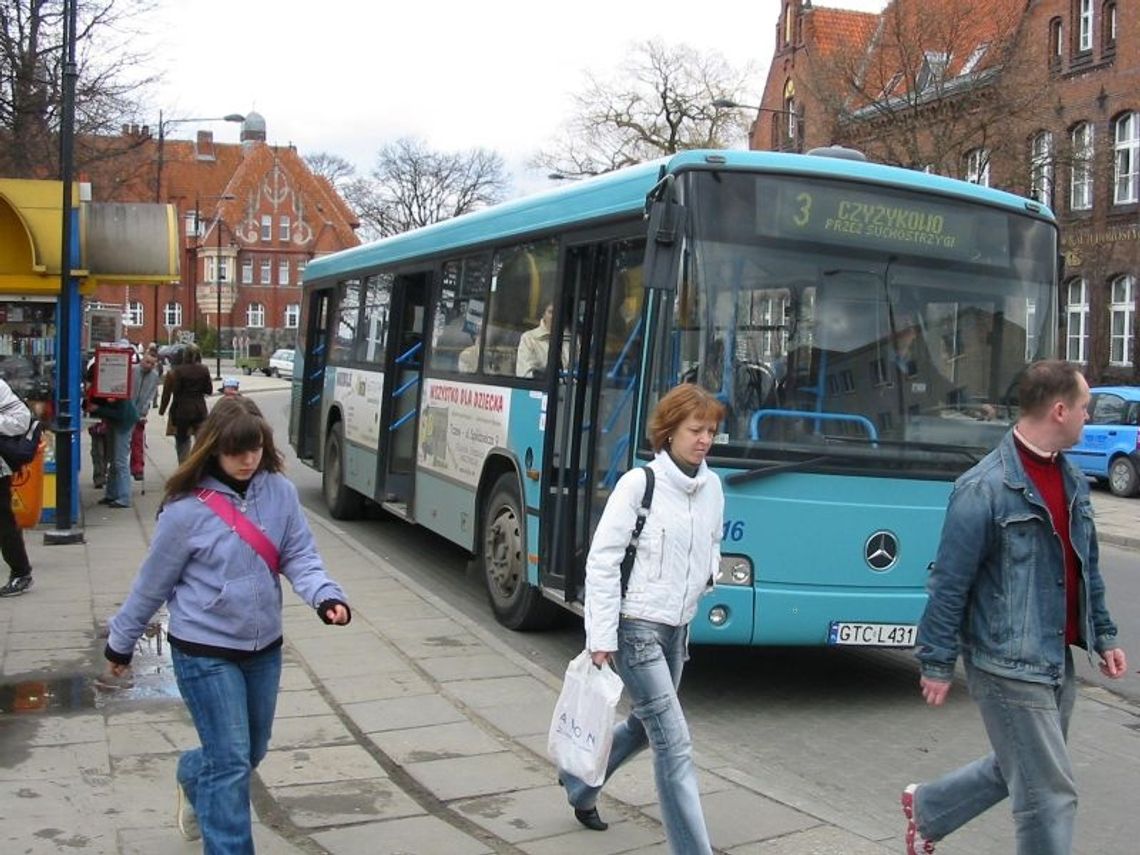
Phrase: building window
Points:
(247, 271)
(1085, 25)
(1123, 315)
(267, 227)
(266, 271)
(1108, 24)
(1041, 166)
(255, 316)
(283, 229)
(978, 167)
(1077, 321)
(283, 272)
(217, 270)
(1127, 157)
(1056, 39)
(300, 270)
(292, 316)
(172, 315)
(194, 225)
(133, 317)
(1081, 185)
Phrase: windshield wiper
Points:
(774, 469)
(973, 454)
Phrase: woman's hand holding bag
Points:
(581, 730)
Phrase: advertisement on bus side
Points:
(358, 393)
(459, 425)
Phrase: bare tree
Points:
(31, 69)
(931, 88)
(660, 102)
(413, 186)
(339, 171)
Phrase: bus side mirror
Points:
(663, 251)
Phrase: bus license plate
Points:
(871, 634)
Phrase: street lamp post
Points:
(795, 120)
(218, 223)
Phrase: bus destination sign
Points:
(881, 221)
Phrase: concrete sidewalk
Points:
(410, 731)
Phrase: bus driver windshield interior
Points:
(835, 331)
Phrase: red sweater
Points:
(1045, 473)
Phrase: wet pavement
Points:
(413, 730)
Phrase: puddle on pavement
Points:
(151, 677)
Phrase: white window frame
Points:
(247, 271)
(1030, 329)
(1076, 320)
(283, 271)
(292, 316)
(217, 269)
(284, 228)
(1041, 168)
(1081, 180)
(267, 227)
(978, 167)
(194, 225)
(1122, 318)
(255, 316)
(1127, 159)
(266, 271)
(1085, 25)
(1057, 34)
(172, 314)
(135, 315)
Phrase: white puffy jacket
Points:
(678, 553)
(15, 419)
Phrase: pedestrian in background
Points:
(1015, 585)
(230, 387)
(229, 527)
(645, 634)
(143, 399)
(120, 416)
(186, 392)
(15, 419)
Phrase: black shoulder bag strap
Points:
(642, 513)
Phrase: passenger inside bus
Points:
(534, 347)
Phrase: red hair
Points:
(680, 404)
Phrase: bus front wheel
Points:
(516, 603)
(343, 502)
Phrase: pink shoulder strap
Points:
(243, 527)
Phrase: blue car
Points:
(1109, 449)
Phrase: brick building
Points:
(250, 217)
(1037, 97)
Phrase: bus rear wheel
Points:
(343, 502)
(515, 602)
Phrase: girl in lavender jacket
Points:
(225, 612)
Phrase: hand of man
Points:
(601, 657)
(1113, 663)
(934, 692)
(337, 614)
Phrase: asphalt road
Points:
(834, 732)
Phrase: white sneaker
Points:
(187, 819)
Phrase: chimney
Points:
(205, 145)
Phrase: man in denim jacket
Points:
(1016, 582)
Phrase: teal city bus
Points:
(490, 377)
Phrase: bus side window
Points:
(523, 282)
(456, 336)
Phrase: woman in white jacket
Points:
(645, 635)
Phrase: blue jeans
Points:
(119, 480)
(1028, 724)
(232, 704)
(649, 660)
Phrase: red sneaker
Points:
(916, 844)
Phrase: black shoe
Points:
(104, 501)
(590, 819)
(16, 586)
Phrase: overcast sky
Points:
(346, 76)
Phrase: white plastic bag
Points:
(582, 728)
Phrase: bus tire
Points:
(343, 502)
(515, 602)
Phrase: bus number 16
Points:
(733, 530)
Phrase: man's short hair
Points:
(1046, 381)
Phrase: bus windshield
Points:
(843, 320)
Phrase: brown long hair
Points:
(679, 404)
(235, 425)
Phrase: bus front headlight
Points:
(735, 570)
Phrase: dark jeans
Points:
(11, 535)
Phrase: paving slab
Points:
(442, 742)
(344, 802)
(821, 840)
(317, 765)
(424, 835)
(461, 777)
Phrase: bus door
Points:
(305, 412)
(592, 404)
(402, 383)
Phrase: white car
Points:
(281, 363)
